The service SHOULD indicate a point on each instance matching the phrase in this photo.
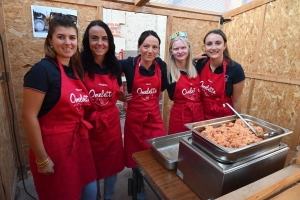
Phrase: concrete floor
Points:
(120, 189)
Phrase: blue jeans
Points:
(109, 186)
(89, 192)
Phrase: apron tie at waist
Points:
(213, 104)
(146, 118)
(191, 106)
(99, 117)
(81, 130)
(146, 115)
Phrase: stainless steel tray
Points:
(165, 149)
(231, 155)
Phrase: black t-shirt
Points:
(104, 71)
(45, 77)
(128, 67)
(234, 74)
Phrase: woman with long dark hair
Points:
(222, 79)
(54, 103)
(103, 81)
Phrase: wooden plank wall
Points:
(8, 167)
(265, 40)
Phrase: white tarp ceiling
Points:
(208, 5)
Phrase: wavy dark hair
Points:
(87, 57)
(226, 54)
(75, 59)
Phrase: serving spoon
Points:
(266, 135)
(251, 128)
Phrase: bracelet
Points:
(44, 163)
(41, 166)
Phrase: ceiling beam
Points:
(140, 2)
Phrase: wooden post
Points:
(100, 12)
(166, 99)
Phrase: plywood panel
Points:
(276, 103)
(7, 164)
(280, 53)
(242, 33)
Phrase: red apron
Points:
(65, 137)
(213, 93)
(187, 106)
(106, 136)
(143, 119)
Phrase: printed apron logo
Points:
(148, 94)
(102, 98)
(208, 90)
(189, 94)
(79, 101)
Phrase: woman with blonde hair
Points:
(184, 84)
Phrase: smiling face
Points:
(215, 45)
(98, 40)
(179, 50)
(64, 42)
(149, 49)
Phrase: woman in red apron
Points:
(146, 77)
(103, 80)
(222, 79)
(55, 100)
(184, 88)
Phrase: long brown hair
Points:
(75, 59)
(226, 54)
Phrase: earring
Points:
(51, 46)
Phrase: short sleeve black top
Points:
(104, 71)
(45, 77)
(128, 67)
(234, 74)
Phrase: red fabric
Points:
(143, 119)
(106, 136)
(65, 137)
(213, 93)
(187, 106)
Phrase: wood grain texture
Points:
(167, 183)
(267, 186)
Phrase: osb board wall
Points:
(23, 48)
(7, 165)
(196, 30)
(276, 56)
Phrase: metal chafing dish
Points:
(210, 179)
(231, 155)
(165, 149)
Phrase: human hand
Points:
(200, 56)
(48, 169)
(127, 96)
